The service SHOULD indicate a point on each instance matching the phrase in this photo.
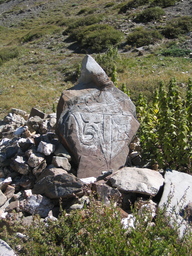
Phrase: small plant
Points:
(133, 4)
(150, 14)
(164, 3)
(175, 51)
(39, 32)
(140, 37)
(8, 53)
(177, 27)
(97, 37)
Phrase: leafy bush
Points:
(178, 26)
(150, 14)
(96, 37)
(83, 21)
(175, 51)
(108, 60)
(38, 33)
(141, 37)
(166, 128)
(164, 3)
(7, 54)
(132, 4)
(96, 231)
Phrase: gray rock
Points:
(45, 148)
(34, 158)
(137, 180)
(3, 198)
(34, 123)
(96, 122)
(5, 182)
(59, 161)
(61, 151)
(37, 204)
(176, 197)
(61, 185)
(5, 249)
(12, 118)
(19, 164)
(36, 112)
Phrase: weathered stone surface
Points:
(138, 180)
(177, 195)
(9, 192)
(51, 170)
(37, 204)
(3, 198)
(61, 185)
(4, 183)
(5, 249)
(46, 148)
(59, 161)
(19, 164)
(37, 112)
(34, 158)
(96, 122)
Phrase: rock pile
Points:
(37, 173)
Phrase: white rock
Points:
(45, 148)
(88, 180)
(137, 180)
(128, 222)
(176, 196)
(5, 249)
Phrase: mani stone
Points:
(95, 122)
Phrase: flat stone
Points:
(59, 161)
(137, 180)
(96, 122)
(5, 249)
(177, 195)
(37, 112)
(3, 198)
(58, 186)
(37, 204)
(19, 164)
(45, 148)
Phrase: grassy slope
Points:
(45, 65)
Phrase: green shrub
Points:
(83, 21)
(97, 37)
(164, 3)
(96, 231)
(150, 14)
(39, 32)
(177, 27)
(133, 4)
(7, 54)
(165, 130)
(175, 51)
(141, 37)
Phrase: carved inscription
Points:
(104, 131)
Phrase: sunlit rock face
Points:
(96, 122)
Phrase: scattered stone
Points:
(34, 158)
(59, 161)
(3, 198)
(37, 204)
(58, 186)
(128, 222)
(5, 249)
(45, 148)
(9, 192)
(19, 164)
(15, 205)
(61, 151)
(88, 180)
(177, 195)
(95, 122)
(4, 183)
(35, 112)
(137, 180)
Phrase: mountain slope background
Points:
(42, 44)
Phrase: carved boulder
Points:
(95, 122)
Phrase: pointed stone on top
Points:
(92, 73)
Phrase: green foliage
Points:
(81, 22)
(165, 131)
(8, 53)
(164, 3)
(175, 51)
(39, 32)
(150, 14)
(140, 37)
(108, 60)
(133, 4)
(177, 27)
(97, 37)
(96, 231)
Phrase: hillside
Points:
(42, 44)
